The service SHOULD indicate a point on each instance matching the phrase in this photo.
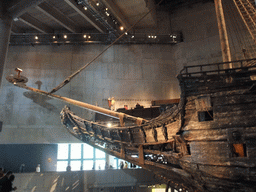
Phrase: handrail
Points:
(218, 67)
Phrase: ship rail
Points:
(218, 68)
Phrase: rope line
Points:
(67, 80)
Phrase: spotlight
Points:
(155, 37)
(85, 36)
(106, 9)
(98, 4)
(121, 28)
(54, 37)
(126, 33)
(65, 36)
(85, 8)
(149, 36)
(89, 37)
(133, 36)
(36, 37)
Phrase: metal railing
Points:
(217, 68)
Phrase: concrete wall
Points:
(13, 155)
(130, 73)
(135, 180)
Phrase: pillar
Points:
(5, 33)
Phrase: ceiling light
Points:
(89, 36)
(154, 36)
(174, 36)
(97, 4)
(121, 28)
(106, 9)
(126, 33)
(65, 36)
(85, 36)
(133, 36)
(149, 36)
(85, 8)
(36, 37)
(53, 36)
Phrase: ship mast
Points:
(226, 55)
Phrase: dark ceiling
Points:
(90, 20)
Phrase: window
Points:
(205, 116)
(62, 151)
(75, 151)
(61, 165)
(239, 150)
(80, 157)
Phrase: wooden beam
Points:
(22, 6)
(58, 16)
(87, 16)
(33, 22)
(141, 155)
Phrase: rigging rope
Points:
(250, 42)
(237, 25)
(67, 80)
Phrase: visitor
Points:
(4, 179)
(68, 169)
(125, 165)
(121, 165)
(22, 168)
(7, 185)
(38, 168)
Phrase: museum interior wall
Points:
(129, 73)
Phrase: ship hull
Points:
(206, 143)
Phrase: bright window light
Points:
(100, 164)
(100, 154)
(75, 151)
(62, 165)
(75, 165)
(88, 151)
(62, 151)
(87, 165)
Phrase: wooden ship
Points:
(207, 142)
